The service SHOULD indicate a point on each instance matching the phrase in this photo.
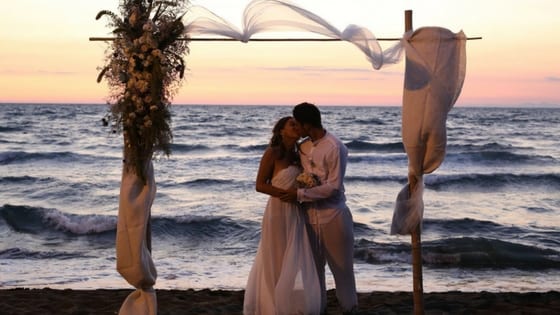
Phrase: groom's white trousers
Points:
(333, 243)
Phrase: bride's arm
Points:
(264, 175)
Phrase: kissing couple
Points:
(306, 223)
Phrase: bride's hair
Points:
(276, 140)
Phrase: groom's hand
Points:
(289, 196)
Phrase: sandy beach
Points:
(99, 302)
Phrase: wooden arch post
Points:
(416, 244)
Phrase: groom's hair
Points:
(307, 113)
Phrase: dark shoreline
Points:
(107, 301)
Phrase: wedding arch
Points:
(145, 67)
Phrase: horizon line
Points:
(525, 105)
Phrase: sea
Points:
(491, 219)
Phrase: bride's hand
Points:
(289, 196)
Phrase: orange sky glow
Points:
(46, 56)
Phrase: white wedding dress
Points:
(283, 279)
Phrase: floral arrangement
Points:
(144, 67)
(307, 180)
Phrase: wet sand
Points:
(101, 301)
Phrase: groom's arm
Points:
(331, 185)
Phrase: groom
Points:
(330, 221)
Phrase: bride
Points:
(283, 278)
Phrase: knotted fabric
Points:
(134, 259)
(434, 75)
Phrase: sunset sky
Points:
(46, 54)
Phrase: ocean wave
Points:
(364, 229)
(486, 154)
(454, 182)
(495, 181)
(377, 159)
(33, 220)
(468, 252)
(467, 148)
(464, 252)
(179, 147)
(25, 180)
(253, 148)
(370, 121)
(469, 226)
(244, 148)
(206, 182)
(542, 236)
(185, 148)
(375, 179)
(482, 153)
(495, 157)
(489, 146)
(19, 253)
(11, 128)
(356, 145)
(41, 221)
(195, 229)
(17, 157)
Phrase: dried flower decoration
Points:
(144, 67)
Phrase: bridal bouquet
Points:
(307, 180)
(144, 66)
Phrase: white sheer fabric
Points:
(434, 75)
(134, 260)
(283, 278)
(280, 15)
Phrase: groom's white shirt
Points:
(325, 158)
